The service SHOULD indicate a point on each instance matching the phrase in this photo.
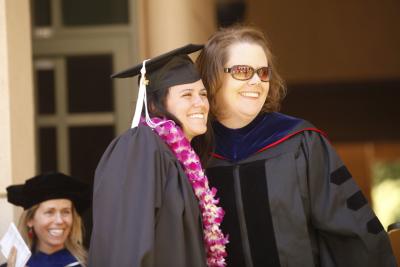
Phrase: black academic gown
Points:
(145, 213)
(293, 203)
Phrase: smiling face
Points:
(52, 224)
(239, 102)
(189, 104)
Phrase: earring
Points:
(30, 232)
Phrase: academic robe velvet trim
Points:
(265, 131)
(61, 258)
(294, 204)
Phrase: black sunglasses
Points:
(245, 72)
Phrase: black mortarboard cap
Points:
(50, 186)
(166, 70)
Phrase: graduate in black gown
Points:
(152, 205)
(50, 224)
(289, 199)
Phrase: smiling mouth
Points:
(250, 94)
(196, 116)
(56, 232)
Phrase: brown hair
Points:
(73, 242)
(214, 56)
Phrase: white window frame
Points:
(52, 45)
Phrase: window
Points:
(76, 47)
(386, 191)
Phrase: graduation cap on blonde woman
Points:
(160, 73)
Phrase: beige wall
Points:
(317, 41)
(17, 153)
(165, 25)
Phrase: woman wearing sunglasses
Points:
(288, 198)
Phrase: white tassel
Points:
(142, 97)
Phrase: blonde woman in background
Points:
(50, 224)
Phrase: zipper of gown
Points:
(241, 218)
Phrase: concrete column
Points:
(17, 149)
(165, 25)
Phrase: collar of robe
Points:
(264, 131)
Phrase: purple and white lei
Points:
(212, 215)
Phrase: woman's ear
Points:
(152, 108)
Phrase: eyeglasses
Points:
(245, 72)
